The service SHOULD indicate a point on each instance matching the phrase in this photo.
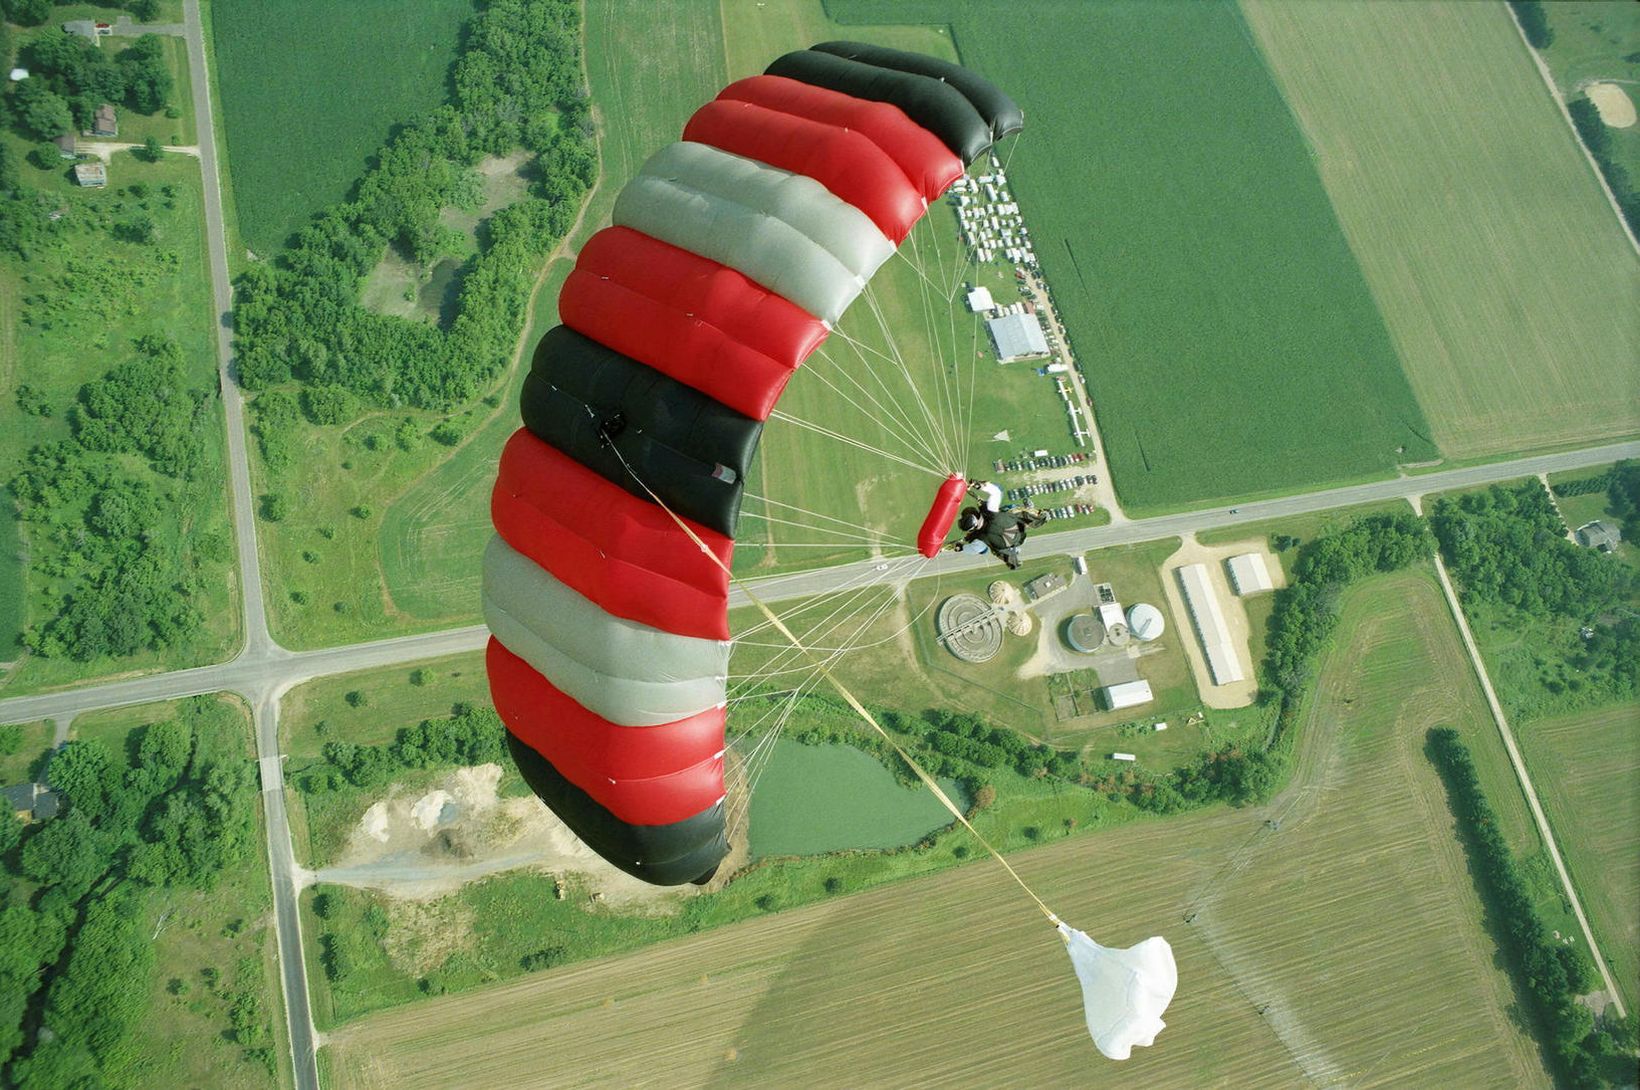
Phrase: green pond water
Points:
(815, 799)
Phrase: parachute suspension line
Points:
(927, 428)
(899, 428)
(973, 372)
(818, 515)
(936, 361)
(853, 442)
(823, 668)
(905, 370)
(864, 538)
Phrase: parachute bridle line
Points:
(823, 668)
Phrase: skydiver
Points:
(992, 528)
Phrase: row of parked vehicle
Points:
(1064, 484)
(1039, 459)
(1069, 511)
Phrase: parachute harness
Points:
(853, 701)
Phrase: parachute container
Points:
(1124, 992)
(941, 514)
(731, 255)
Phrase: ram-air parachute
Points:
(732, 255)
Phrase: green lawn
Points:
(67, 319)
(1230, 341)
(1586, 767)
(310, 91)
(1598, 41)
(1509, 292)
(27, 760)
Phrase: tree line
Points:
(75, 955)
(1549, 973)
(469, 736)
(298, 318)
(1598, 139)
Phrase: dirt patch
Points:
(420, 846)
(1615, 106)
(422, 935)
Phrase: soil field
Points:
(1343, 947)
(1586, 767)
(285, 72)
(1503, 274)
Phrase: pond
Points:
(815, 799)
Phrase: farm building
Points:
(1017, 337)
(1215, 636)
(65, 146)
(92, 175)
(105, 123)
(979, 300)
(31, 801)
(1599, 535)
(1044, 585)
(1129, 694)
(1145, 622)
(1249, 575)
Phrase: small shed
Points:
(18, 75)
(66, 147)
(91, 175)
(1599, 535)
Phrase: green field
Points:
(67, 319)
(1344, 948)
(1585, 767)
(1509, 292)
(310, 91)
(1230, 341)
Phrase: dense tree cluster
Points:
(1549, 972)
(69, 78)
(470, 736)
(127, 586)
(1507, 549)
(1623, 498)
(1533, 22)
(74, 955)
(517, 84)
(1597, 138)
(35, 12)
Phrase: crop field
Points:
(1509, 292)
(1230, 341)
(1585, 767)
(283, 69)
(69, 318)
(1343, 947)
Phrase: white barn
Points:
(1209, 621)
(1017, 337)
(1249, 575)
(1129, 694)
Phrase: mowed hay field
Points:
(1354, 928)
(310, 90)
(1503, 274)
(1586, 767)
(1229, 339)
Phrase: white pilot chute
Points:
(1124, 992)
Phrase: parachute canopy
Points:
(1124, 992)
(732, 254)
